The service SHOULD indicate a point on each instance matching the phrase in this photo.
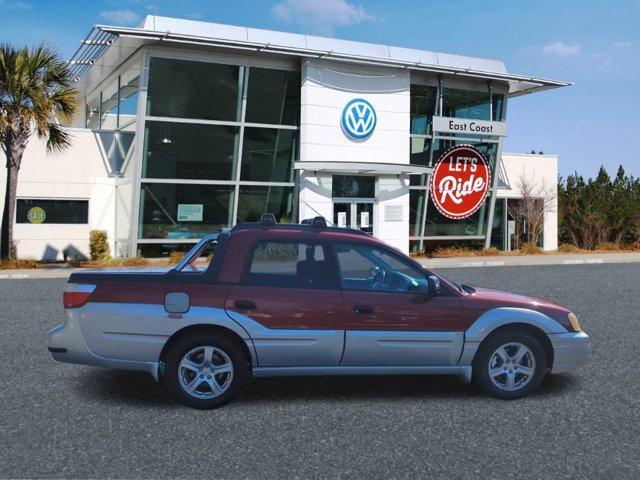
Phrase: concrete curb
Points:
(532, 260)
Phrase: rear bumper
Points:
(66, 343)
(570, 351)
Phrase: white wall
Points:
(326, 88)
(542, 170)
(79, 172)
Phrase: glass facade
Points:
(190, 151)
(268, 154)
(273, 96)
(219, 146)
(199, 90)
(180, 211)
(424, 100)
(426, 223)
(254, 200)
(353, 186)
(466, 104)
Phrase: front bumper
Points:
(570, 351)
(66, 343)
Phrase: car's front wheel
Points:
(510, 364)
(205, 370)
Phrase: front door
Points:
(353, 213)
(391, 318)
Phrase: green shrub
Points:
(99, 245)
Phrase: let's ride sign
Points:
(460, 182)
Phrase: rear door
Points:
(392, 320)
(289, 301)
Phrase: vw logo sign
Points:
(358, 119)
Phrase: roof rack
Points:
(268, 220)
(315, 222)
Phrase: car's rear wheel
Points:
(205, 370)
(510, 364)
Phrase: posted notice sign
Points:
(190, 212)
(342, 219)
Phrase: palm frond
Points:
(57, 138)
(36, 92)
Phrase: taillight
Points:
(77, 294)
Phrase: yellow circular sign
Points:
(36, 215)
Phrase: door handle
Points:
(363, 310)
(244, 305)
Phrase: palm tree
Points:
(35, 94)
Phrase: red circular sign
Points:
(460, 182)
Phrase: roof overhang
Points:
(277, 43)
(369, 168)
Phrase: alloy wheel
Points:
(205, 372)
(512, 366)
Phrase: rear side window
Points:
(291, 265)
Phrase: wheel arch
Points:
(500, 319)
(520, 327)
(205, 328)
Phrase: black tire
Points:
(170, 375)
(486, 351)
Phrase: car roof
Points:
(317, 225)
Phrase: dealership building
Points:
(188, 126)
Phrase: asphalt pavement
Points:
(60, 420)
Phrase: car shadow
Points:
(137, 389)
(140, 390)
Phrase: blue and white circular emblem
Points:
(358, 119)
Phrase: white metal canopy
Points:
(370, 168)
(173, 31)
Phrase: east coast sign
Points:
(358, 120)
(465, 125)
(460, 182)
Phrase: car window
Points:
(368, 268)
(198, 259)
(291, 264)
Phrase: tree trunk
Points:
(9, 212)
(14, 146)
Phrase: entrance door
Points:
(354, 213)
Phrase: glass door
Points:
(342, 214)
(364, 216)
(356, 214)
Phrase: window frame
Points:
(328, 252)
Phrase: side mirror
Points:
(434, 286)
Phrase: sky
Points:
(594, 44)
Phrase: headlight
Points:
(573, 320)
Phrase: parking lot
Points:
(60, 420)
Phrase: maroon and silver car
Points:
(267, 299)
